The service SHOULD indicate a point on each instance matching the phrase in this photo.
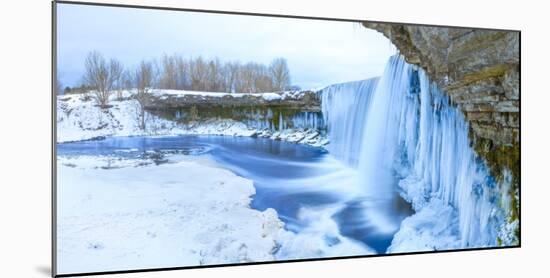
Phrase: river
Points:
(306, 185)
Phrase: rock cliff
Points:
(480, 71)
(303, 100)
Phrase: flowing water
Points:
(300, 182)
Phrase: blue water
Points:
(287, 178)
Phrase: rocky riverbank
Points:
(79, 118)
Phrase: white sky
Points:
(318, 52)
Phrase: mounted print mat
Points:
(188, 138)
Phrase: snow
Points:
(434, 227)
(180, 93)
(310, 137)
(292, 94)
(271, 96)
(117, 214)
(78, 119)
(221, 127)
(192, 93)
(321, 238)
(507, 233)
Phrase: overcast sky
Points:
(318, 52)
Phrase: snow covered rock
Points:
(434, 227)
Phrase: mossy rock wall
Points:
(272, 117)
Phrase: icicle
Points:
(401, 133)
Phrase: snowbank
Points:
(117, 214)
(432, 228)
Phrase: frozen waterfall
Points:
(403, 135)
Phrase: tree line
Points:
(105, 77)
(213, 75)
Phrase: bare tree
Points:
(215, 79)
(100, 75)
(199, 74)
(246, 78)
(183, 81)
(116, 72)
(127, 80)
(253, 78)
(168, 72)
(280, 74)
(231, 74)
(262, 79)
(143, 81)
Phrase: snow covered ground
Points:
(79, 118)
(117, 213)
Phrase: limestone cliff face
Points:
(479, 70)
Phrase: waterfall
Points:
(343, 106)
(403, 135)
